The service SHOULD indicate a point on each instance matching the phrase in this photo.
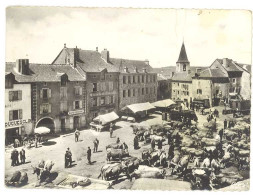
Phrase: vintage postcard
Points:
(117, 98)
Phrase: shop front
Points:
(16, 129)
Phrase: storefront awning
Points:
(163, 103)
(139, 107)
(106, 118)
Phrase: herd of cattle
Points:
(197, 158)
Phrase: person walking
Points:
(136, 143)
(68, 158)
(171, 152)
(89, 155)
(111, 130)
(77, 134)
(225, 123)
(160, 144)
(36, 141)
(13, 162)
(22, 156)
(95, 142)
(16, 157)
(221, 132)
(125, 147)
(153, 144)
(118, 140)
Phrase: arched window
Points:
(184, 67)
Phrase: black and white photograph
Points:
(127, 98)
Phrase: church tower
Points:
(183, 64)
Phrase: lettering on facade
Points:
(76, 112)
(17, 122)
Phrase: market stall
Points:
(102, 122)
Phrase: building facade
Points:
(18, 117)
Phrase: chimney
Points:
(198, 70)
(146, 62)
(105, 55)
(172, 74)
(125, 69)
(76, 56)
(64, 45)
(225, 62)
(22, 66)
(96, 49)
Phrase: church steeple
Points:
(182, 56)
(183, 64)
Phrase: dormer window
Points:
(63, 82)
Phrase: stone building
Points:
(111, 83)
(57, 96)
(137, 82)
(18, 117)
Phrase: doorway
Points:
(76, 122)
(47, 122)
(11, 135)
(63, 124)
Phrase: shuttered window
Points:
(110, 84)
(77, 104)
(15, 95)
(78, 90)
(45, 108)
(15, 114)
(45, 93)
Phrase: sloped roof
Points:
(45, 73)
(230, 66)
(183, 77)
(182, 56)
(92, 61)
(246, 67)
(212, 73)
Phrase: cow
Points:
(131, 164)
(111, 171)
(113, 154)
(174, 162)
(148, 172)
(115, 146)
(183, 164)
(42, 170)
(163, 159)
(196, 162)
(18, 179)
(206, 163)
(215, 165)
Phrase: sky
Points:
(39, 33)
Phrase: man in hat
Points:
(77, 134)
(111, 130)
(68, 158)
(22, 156)
(89, 155)
(225, 123)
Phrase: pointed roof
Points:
(182, 55)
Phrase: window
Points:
(147, 79)
(45, 84)
(63, 81)
(77, 104)
(78, 90)
(178, 92)
(143, 78)
(111, 99)
(95, 87)
(139, 78)
(234, 80)
(63, 92)
(102, 101)
(187, 93)
(146, 90)
(134, 80)
(199, 91)
(15, 95)
(94, 101)
(15, 114)
(129, 79)
(154, 78)
(45, 93)
(124, 79)
(129, 93)
(110, 84)
(8, 83)
(142, 91)
(102, 86)
(124, 93)
(45, 108)
(63, 106)
(102, 76)
(134, 92)
(139, 91)
(184, 67)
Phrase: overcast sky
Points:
(154, 34)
